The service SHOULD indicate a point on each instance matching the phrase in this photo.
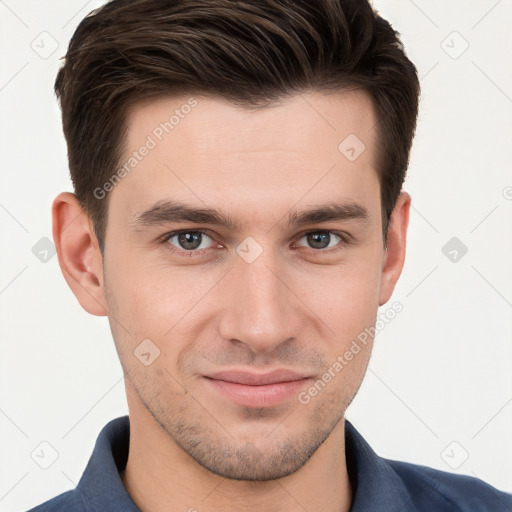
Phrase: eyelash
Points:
(189, 254)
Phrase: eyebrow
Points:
(165, 212)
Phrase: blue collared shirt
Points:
(378, 484)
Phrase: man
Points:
(238, 216)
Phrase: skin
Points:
(293, 307)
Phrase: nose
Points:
(259, 306)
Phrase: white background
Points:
(439, 386)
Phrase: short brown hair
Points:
(251, 52)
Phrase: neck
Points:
(159, 475)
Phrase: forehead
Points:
(289, 124)
(311, 148)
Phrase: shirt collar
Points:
(101, 486)
(375, 485)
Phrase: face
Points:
(227, 321)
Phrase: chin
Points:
(268, 460)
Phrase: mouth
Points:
(257, 389)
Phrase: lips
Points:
(257, 379)
(257, 389)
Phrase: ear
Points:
(394, 255)
(78, 251)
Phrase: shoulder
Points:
(450, 492)
(392, 485)
(69, 501)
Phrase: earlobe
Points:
(78, 252)
(395, 254)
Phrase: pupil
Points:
(316, 240)
(188, 238)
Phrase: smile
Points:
(257, 390)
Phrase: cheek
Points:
(168, 306)
(152, 298)
(347, 297)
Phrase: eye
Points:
(191, 243)
(186, 241)
(323, 240)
